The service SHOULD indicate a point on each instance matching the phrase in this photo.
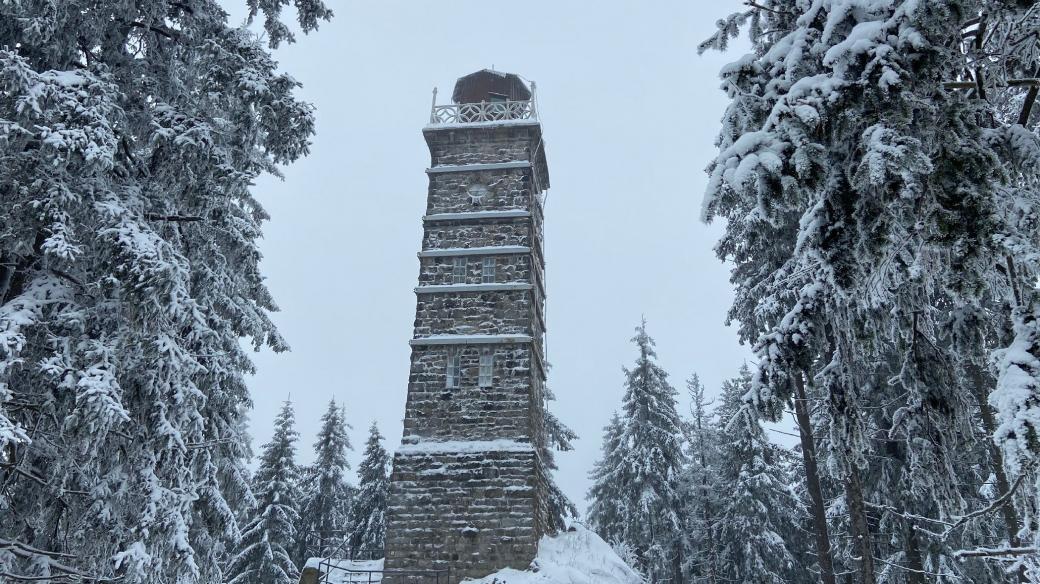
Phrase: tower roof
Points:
(490, 85)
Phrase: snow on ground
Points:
(577, 556)
(370, 571)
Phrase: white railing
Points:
(485, 111)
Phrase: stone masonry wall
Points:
(508, 268)
(507, 190)
(477, 235)
(471, 510)
(464, 512)
(481, 145)
(434, 411)
(474, 313)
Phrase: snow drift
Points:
(576, 556)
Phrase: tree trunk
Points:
(860, 527)
(14, 273)
(812, 483)
(915, 574)
(982, 382)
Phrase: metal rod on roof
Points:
(433, 106)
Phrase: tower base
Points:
(471, 512)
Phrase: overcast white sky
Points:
(630, 113)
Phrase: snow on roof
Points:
(576, 556)
(465, 446)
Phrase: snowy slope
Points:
(577, 556)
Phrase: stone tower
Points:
(469, 491)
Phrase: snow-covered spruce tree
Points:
(608, 481)
(263, 552)
(1004, 52)
(701, 492)
(130, 135)
(325, 488)
(867, 215)
(558, 437)
(755, 528)
(645, 467)
(366, 527)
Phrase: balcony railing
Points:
(485, 111)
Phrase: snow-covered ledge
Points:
(506, 214)
(468, 251)
(463, 446)
(472, 287)
(470, 339)
(476, 167)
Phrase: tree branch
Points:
(162, 31)
(172, 218)
(995, 552)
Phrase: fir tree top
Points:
(654, 429)
(373, 465)
(262, 556)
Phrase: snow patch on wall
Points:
(576, 556)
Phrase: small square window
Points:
(458, 271)
(453, 371)
(487, 367)
(487, 274)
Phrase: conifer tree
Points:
(326, 491)
(701, 490)
(262, 556)
(608, 481)
(644, 469)
(876, 211)
(758, 513)
(366, 527)
(558, 437)
(129, 278)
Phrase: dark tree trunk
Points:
(14, 270)
(915, 574)
(983, 382)
(860, 526)
(812, 483)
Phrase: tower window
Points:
(487, 365)
(487, 274)
(458, 270)
(453, 372)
